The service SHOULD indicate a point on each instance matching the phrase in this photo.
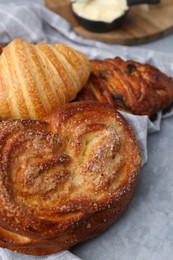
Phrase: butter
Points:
(100, 10)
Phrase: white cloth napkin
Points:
(34, 23)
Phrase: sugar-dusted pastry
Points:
(64, 179)
(130, 86)
(35, 79)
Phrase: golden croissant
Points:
(137, 88)
(35, 79)
(66, 178)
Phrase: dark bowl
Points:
(100, 26)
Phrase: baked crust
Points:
(130, 86)
(35, 79)
(66, 178)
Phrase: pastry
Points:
(35, 79)
(2, 46)
(130, 86)
(66, 178)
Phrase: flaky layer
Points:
(35, 79)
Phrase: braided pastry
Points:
(66, 178)
(35, 79)
(136, 88)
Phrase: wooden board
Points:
(144, 23)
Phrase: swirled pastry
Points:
(66, 178)
(35, 79)
(133, 87)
